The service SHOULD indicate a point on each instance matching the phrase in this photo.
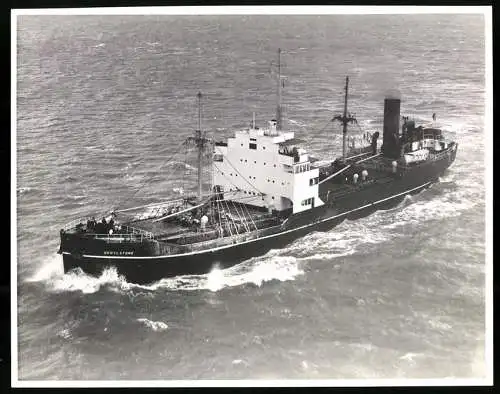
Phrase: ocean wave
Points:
(23, 190)
(50, 267)
(77, 280)
(76, 197)
(180, 164)
(430, 103)
(65, 333)
(154, 325)
(439, 325)
(343, 240)
(253, 271)
(411, 356)
(295, 122)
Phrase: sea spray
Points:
(153, 325)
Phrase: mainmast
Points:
(345, 119)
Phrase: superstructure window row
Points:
(301, 168)
(307, 202)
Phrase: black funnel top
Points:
(390, 145)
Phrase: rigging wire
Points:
(146, 178)
(232, 183)
(251, 185)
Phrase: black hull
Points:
(145, 264)
(142, 271)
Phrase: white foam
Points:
(254, 271)
(154, 325)
(295, 122)
(79, 281)
(439, 325)
(410, 356)
(66, 333)
(22, 190)
(50, 267)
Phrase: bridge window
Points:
(313, 181)
(307, 202)
(252, 146)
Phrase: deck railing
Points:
(125, 232)
(71, 225)
(123, 237)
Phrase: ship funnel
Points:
(390, 145)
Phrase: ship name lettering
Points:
(118, 253)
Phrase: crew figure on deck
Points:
(91, 224)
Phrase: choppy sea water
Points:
(103, 102)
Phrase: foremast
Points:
(201, 143)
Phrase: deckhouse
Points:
(266, 168)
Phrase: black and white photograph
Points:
(251, 196)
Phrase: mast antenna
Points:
(279, 108)
(345, 119)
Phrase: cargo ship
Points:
(266, 191)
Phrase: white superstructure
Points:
(266, 168)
